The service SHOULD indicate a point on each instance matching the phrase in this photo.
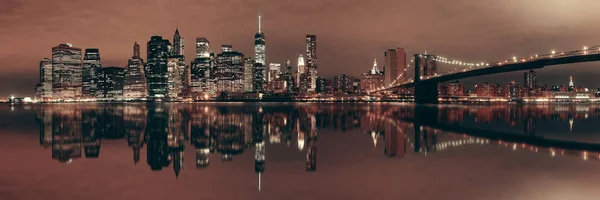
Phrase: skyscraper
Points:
(372, 80)
(45, 83)
(177, 44)
(177, 72)
(110, 83)
(260, 46)
(259, 76)
(202, 48)
(301, 69)
(571, 85)
(274, 71)
(91, 65)
(395, 64)
(201, 79)
(134, 85)
(229, 71)
(311, 61)
(289, 78)
(156, 67)
(66, 72)
(249, 75)
(259, 58)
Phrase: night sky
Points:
(351, 33)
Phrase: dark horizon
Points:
(350, 35)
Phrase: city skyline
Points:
(340, 50)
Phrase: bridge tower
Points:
(426, 92)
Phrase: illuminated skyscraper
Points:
(372, 80)
(311, 61)
(395, 65)
(45, 83)
(260, 72)
(91, 64)
(249, 75)
(229, 71)
(274, 71)
(201, 80)
(289, 78)
(134, 85)
(66, 72)
(260, 46)
(202, 48)
(156, 67)
(259, 76)
(177, 80)
(110, 83)
(301, 69)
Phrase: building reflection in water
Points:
(227, 130)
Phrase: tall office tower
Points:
(200, 79)
(260, 46)
(45, 80)
(259, 76)
(91, 64)
(66, 72)
(176, 78)
(134, 85)
(177, 44)
(395, 65)
(249, 75)
(301, 69)
(229, 71)
(202, 47)
(289, 78)
(110, 83)
(156, 67)
(428, 65)
(311, 61)
(274, 71)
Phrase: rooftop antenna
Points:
(259, 25)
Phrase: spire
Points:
(136, 50)
(259, 25)
(259, 181)
(375, 70)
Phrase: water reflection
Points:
(228, 130)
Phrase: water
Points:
(299, 151)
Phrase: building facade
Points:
(311, 61)
(156, 67)
(66, 72)
(249, 75)
(91, 64)
(134, 85)
(110, 83)
(395, 65)
(229, 71)
(44, 90)
(301, 69)
(372, 80)
(177, 77)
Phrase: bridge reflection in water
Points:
(75, 131)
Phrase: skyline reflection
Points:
(225, 131)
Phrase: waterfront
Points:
(311, 150)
